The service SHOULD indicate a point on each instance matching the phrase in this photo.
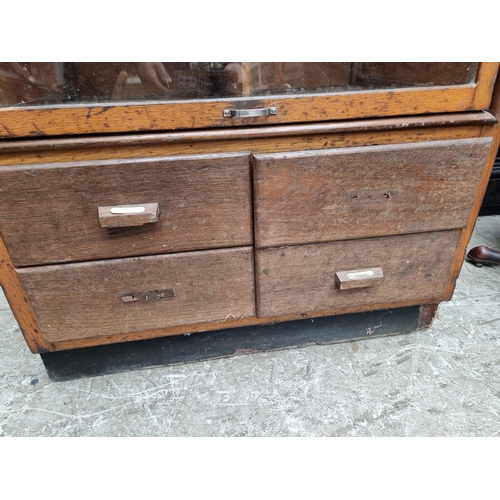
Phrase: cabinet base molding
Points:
(165, 351)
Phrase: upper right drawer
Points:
(339, 194)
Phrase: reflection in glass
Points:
(35, 84)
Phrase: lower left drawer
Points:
(112, 297)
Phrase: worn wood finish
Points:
(486, 77)
(85, 300)
(84, 119)
(493, 132)
(25, 317)
(427, 314)
(400, 130)
(49, 213)
(308, 197)
(223, 324)
(302, 278)
(19, 303)
(260, 144)
(122, 141)
(257, 145)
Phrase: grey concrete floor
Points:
(438, 382)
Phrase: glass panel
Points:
(32, 84)
(286, 78)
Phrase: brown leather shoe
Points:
(484, 255)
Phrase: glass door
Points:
(38, 99)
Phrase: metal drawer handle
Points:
(359, 278)
(152, 296)
(128, 215)
(242, 113)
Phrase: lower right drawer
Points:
(354, 273)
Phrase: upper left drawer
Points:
(50, 213)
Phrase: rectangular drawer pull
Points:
(148, 296)
(128, 215)
(359, 278)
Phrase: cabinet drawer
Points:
(303, 278)
(90, 299)
(51, 213)
(329, 195)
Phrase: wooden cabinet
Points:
(246, 193)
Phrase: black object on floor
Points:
(127, 356)
(491, 200)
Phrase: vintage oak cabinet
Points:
(142, 200)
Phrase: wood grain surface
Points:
(302, 278)
(40, 121)
(328, 195)
(246, 133)
(258, 144)
(486, 77)
(86, 300)
(269, 137)
(49, 213)
(19, 303)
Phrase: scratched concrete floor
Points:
(440, 382)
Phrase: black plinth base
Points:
(101, 360)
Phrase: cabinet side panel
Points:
(492, 132)
(19, 304)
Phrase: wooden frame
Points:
(39, 121)
(261, 139)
